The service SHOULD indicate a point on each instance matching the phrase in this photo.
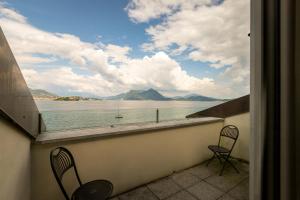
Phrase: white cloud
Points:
(214, 33)
(28, 59)
(143, 10)
(218, 34)
(26, 39)
(159, 72)
(109, 68)
(11, 14)
(117, 53)
(64, 79)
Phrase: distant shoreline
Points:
(59, 100)
(131, 95)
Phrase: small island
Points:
(76, 98)
(40, 94)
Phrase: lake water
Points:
(62, 115)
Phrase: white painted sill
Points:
(119, 130)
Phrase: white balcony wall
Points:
(14, 163)
(242, 121)
(127, 161)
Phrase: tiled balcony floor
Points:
(197, 183)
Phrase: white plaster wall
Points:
(242, 121)
(14, 163)
(127, 161)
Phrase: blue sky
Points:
(104, 18)
(107, 19)
(126, 32)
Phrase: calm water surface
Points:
(62, 115)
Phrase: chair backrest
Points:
(61, 161)
(231, 132)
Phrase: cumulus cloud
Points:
(108, 68)
(217, 33)
(143, 10)
(166, 74)
(26, 40)
(117, 53)
(66, 80)
(26, 59)
(207, 31)
(11, 14)
(160, 71)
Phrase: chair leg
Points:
(221, 173)
(234, 167)
(210, 160)
(224, 163)
(228, 161)
(219, 156)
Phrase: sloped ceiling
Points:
(16, 101)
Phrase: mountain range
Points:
(42, 94)
(152, 94)
(149, 94)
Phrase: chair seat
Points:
(94, 190)
(218, 149)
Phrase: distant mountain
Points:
(150, 94)
(191, 95)
(183, 97)
(43, 94)
(195, 97)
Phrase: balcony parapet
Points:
(120, 130)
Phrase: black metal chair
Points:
(61, 161)
(221, 153)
